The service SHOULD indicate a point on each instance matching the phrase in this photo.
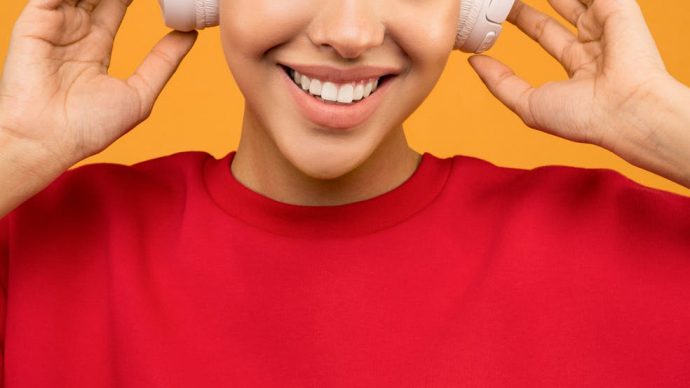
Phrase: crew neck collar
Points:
(357, 218)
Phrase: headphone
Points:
(479, 23)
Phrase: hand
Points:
(56, 92)
(617, 84)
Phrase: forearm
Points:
(25, 169)
(659, 129)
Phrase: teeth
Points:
(368, 88)
(315, 87)
(346, 93)
(329, 91)
(358, 92)
(306, 82)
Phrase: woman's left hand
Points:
(618, 95)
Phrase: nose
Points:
(350, 27)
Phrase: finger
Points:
(570, 10)
(59, 26)
(625, 28)
(511, 90)
(88, 5)
(157, 68)
(109, 15)
(545, 30)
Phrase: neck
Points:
(261, 167)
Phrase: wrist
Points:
(25, 169)
(23, 157)
(654, 132)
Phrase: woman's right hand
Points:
(56, 92)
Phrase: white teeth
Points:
(368, 89)
(358, 92)
(306, 82)
(315, 87)
(346, 93)
(329, 91)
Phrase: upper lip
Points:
(342, 75)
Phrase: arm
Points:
(664, 147)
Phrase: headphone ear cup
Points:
(188, 15)
(479, 23)
(469, 12)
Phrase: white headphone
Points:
(479, 23)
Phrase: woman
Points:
(324, 251)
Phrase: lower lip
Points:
(335, 116)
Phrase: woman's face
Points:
(345, 48)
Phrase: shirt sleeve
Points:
(654, 219)
(617, 218)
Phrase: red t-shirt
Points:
(170, 273)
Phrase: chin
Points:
(325, 164)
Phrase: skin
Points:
(619, 95)
(616, 75)
(285, 156)
(58, 105)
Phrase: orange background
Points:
(201, 109)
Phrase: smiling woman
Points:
(287, 130)
(325, 250)
(204, 97)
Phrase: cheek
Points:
(426, 32)
(252, 27)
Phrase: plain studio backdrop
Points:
(201, 109)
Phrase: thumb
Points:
(159, 65)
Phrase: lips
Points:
(342, 75)
(332, 115)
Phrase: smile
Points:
(344, 93)
(337, 99)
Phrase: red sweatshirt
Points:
(170, 273)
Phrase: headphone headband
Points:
(479, 23)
